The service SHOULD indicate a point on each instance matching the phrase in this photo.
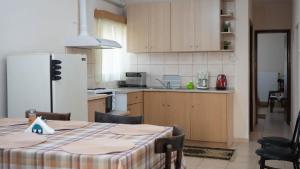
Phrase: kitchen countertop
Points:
(211, 90)
(96, 96)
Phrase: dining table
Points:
(50, 155)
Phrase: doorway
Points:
(270, 72)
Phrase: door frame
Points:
(254, 70)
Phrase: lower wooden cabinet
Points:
(97, 105)
(210, 117)
(135, 103)
(205, 117)
(167, 108)
(136, 109)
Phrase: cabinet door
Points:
(97, 105)
(136, 109)
(182, 25)
(207, 25)
(209, 117)
(137, 27)
(160, 27)
(176, 110)
(153, 108)
(135, 97)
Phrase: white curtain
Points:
(112, 63)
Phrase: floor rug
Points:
(205, 152)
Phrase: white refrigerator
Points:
(48, 83)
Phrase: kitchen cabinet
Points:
(96, 105)
(195, 25)
(154, 109)
(166, 108)
(207, 25)
(136, 109)
(209, 117)
(205, 117)
(135, 103)
(137, 27)
(148, 26)
(182, 25)
(160, 27)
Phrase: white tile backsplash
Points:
(171, 58)
(157, 58)
(229, 69)
(199, 68)
(156, 70)
(186, 70)
(132, 58)
(143, 68)
(143, 58)
(214, 70)
(199, 58)
(171, 69)
(214, 58)
(185, 58)
(187, 65)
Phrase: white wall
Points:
(34, 25)
(295, 61)
(272, 14)
(241, 96)
(271, 59)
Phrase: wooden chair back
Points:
(169, 145)
(52, 116)
(109, 118)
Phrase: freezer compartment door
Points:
(28, 83)
(70, 92)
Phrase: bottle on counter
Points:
(31, 115)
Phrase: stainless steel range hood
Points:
(84, 40)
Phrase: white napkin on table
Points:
(39, 127)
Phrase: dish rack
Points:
(174, 80)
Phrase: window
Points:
(111, 64)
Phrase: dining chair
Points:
(277, 95)
(52, 116)
(281, 141)
(169, 145)
(272, 152)
(109, 118)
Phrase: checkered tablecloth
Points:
(49, 155)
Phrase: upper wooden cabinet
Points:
(182, 25)
(207, 25)
(148, 27)
(195, 25)
(137, 27)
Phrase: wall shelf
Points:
(228, 16)
(227, 33)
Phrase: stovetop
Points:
(99, 90)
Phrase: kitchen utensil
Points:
(221, 83)
(202, 81)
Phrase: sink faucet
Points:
(168, 85)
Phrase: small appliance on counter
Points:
(202, 81)
(221, 83)
(134, 79)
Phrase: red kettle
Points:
(221, 83)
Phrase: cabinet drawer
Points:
(93, 106)
(136, 109)
(136, 97)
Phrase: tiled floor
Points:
(245, 157)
